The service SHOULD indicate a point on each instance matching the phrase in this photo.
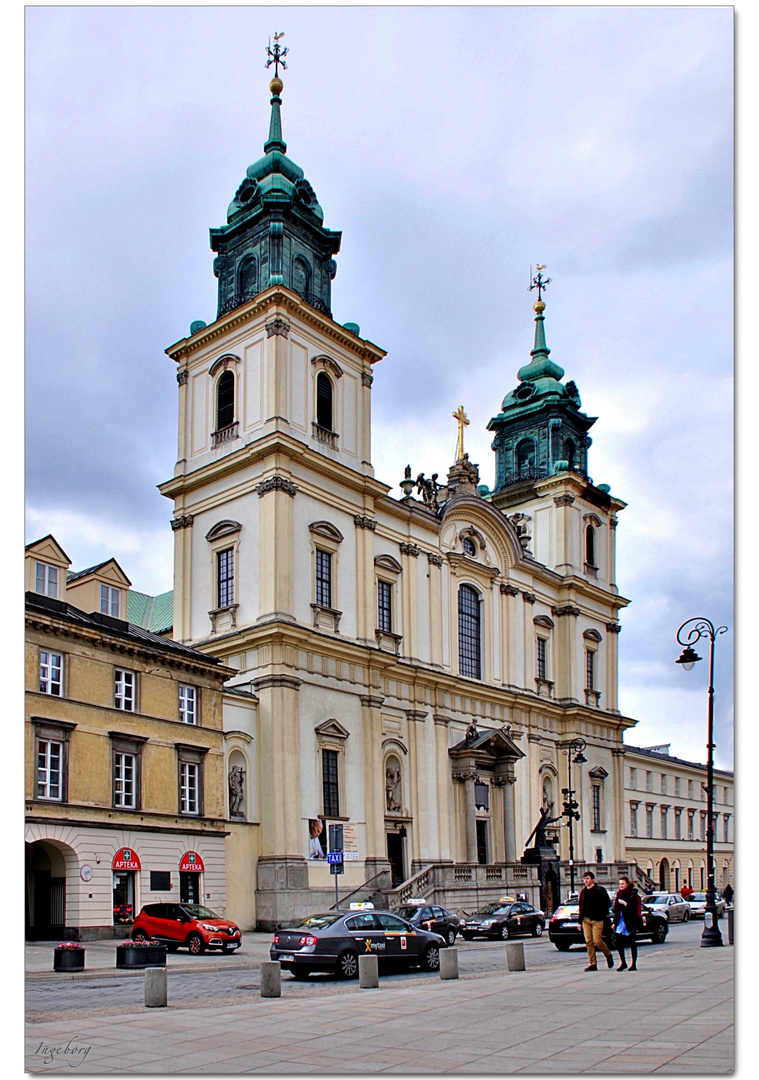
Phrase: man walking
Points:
(594, 907)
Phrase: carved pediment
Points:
(387, 562)
(592, 635)
(327, 530)
(332, 728)
(223, 528)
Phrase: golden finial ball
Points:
(539, 307)
(276, 85)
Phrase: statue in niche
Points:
(236, 780)
(539, 832)
(392, 787)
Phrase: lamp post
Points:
(571, 806)
(688, 634)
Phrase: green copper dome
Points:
(540, 429)
(274, 233)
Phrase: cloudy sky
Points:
(455, 148)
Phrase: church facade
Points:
(415, 668)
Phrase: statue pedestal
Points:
(549, 875)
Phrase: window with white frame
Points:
(726, 828)
(664, 810)
(596, 794)
(633, 778)
(385, 606)
(331, 783)
(124, 690)
(188, 704)
(634, 818)
(331, 741)
(46, 579)
(691, 789)
(190, 775)
(677, 785)
(649, 780)
(590, 669)
(110, 601)
(691, 816)
(225, 578)
(541, 656)
(664, 783)
(124, 780)
(649, 821)
(678, 822)
(702, 833)
(470, 645)
(51, 673)
(49, 769)
(323, 578)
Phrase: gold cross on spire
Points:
(460, 416)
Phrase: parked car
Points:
(333, 942)
(697, 905)
(671, 905)
(193, 926)
(503, 918)
(564, 928)
(430, 917)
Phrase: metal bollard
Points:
(515, 956)
(156, 992)
(271, 979)
(730, 912)
(368, 972)
(449, 963)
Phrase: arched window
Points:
(324, 401)
(225, 400)
(301, 276)
(569, 452)
(248, 276)
(590, 545)
(469, 632)
(525, 456)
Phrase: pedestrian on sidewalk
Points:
(626, 921)
(594, 909)
(727, 893)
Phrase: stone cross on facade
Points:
(460, 416)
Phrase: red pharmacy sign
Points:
(126, 859)
(190, 861)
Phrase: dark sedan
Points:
(503, 919)
(431, 917)
(334, 941)
(564, 928)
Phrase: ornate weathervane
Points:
(460, 416)
(277, 55)
(539, 282)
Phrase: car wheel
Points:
(562, 946)
(505, 932)
(451, 936)
(537, 929)
(300, 973)
(196, 945)
(347, 965)
(139, 935)
(431, 958)
(659, 934)
(686, 915)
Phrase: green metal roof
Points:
(153, 613)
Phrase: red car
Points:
(190, 925)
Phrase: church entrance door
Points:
(395, 858)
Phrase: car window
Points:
(197, 911)
(153, 911)
(407, 912)
(441, 913)
(566, 911)
(318, 922)
(427, 913)
(365, 921)
(171, 911)
(390, 922)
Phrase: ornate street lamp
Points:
(703, 628)
(574, 752)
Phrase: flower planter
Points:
(68, 959)
(140, 956)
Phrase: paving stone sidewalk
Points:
(675, 1016)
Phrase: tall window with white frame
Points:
(46, 579)
(189, 787)
(49, 770)
(124, 690)
(541, 656)
(691, 816)
(590, 545)
(633, 819)
(124, 780)
(330, 783)
(51, 673)
(385, 607)
(188, 704)
(590, 669)
(225, 577)
(323, 578)
(470, 644)
(596, 794)
(110, 601)
(649, 822)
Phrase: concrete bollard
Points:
(730, 912)
(449, 963)
(515, 956)
(156, 993)
(368, 972)
(271, 979)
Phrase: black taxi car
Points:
(504, 918)
(430, 917)
(564, 928)
(334, 940)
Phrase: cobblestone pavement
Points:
(674, 1015)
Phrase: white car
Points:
(670, 905)
(697, 905)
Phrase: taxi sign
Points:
(506, 900)
(416, 901)
(358, 905)
(335, 857)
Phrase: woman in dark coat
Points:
(627, 915)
